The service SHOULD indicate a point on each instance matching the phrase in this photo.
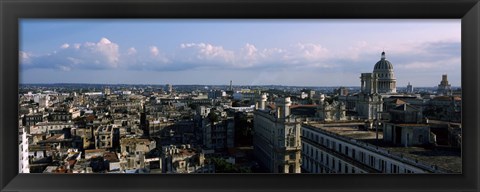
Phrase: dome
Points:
(383, 64)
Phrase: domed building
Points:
(374, 87)
(383, 70)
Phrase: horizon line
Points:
(214, 85)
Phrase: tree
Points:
(213, 117)
(222, 166)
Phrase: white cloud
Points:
(24, 57)
(100, 55)
(205, 52)
(436, 65)
(109, 50)
(131, 51)
(64, 46)
(359, 57)
(310, 51)
(154, 51)
(250, 50)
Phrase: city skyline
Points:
(248, 52)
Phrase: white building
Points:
(276, 138)
(23, 162)
(383, 70)
(374, 87)
(339, 149)
(47, 127)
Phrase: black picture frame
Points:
(13, 10)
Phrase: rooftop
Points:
(444, 157)
(349, 130)
(124, 141)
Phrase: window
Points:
(339, 147)
(381, 164)
(394, 168)
(372, 161)
(346, 150)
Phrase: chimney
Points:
(283, 107)
(263, 101)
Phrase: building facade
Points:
(383, 70)
(276, 138)
(327, 149)
(444, 88)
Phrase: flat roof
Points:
(443, 157)
(349, 130)
(446, 159)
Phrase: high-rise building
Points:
(169, 88)
(444, 88)
(143, 122)
(409, 88)
(277, 137)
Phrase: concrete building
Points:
(337, 148)
(104, 137)
(444, 108)
(169, 88)
(133, 153)
(33, 118)
(50, 127)
(331, 112)
(181, 159)
(219, 133)
(374, 88)
(43, 100)
(23, 162)
(444, 88)
(62, 116)
(215, 94)
(276, 137)
(409, 88)
(251, 96)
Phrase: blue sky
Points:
(249, 52)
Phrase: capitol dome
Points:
(383, 70)
(383, 64)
